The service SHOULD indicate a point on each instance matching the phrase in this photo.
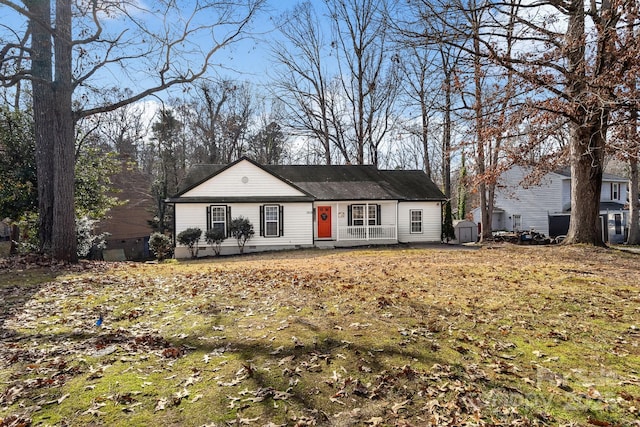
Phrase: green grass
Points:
(532, 336)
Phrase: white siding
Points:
(533, 203)
(431, 222)
(605, 193)
(297, 227)
(243, 180)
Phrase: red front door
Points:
(324, 221)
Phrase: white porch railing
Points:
(372, 232)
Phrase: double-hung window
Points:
(218, 218)
(615, 191)
(416, 221)
(373, 214)
(357, 215)
(271, 220)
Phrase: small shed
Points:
(465, 231)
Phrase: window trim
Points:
(412, 221)
(615, 191)
(227, 216)
(279, 220)
(353, 216)
(375, 214)
(366, 220)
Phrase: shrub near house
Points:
(190, 238)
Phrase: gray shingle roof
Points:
(566, 172)
(338, 182)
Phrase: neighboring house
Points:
(546, 206)
(128, 224)
(305, 206)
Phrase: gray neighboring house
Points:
(546, 206)
(306, 206)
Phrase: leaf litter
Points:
(508, 336)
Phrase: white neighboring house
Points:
(546, 206)
(305, 206)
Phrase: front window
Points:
(373, 213)
(219, 218)
(615, 191)
(416, 221)
(364, 215)
(357, 215)
(271, 221)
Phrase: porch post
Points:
(337, 221)
(395, 231)
(366, 220)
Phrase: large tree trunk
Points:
(588, 131)
(41, 47)
(634, 203)
(634, 177)
(64, 242)
(587, 148)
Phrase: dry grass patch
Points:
(503, 336)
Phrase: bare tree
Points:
(369, 72)
(418, 67)
(67, 51)
(303, 82)
(471, 91)
(122, 131)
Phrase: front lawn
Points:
(409, 337)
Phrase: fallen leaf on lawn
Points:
(594, 394)
(375, 421)
(281, 395)
(399, 406)
(171, 352)
(599, 423)
(192, 379)
(179, 395)
(161, 405)
(94, 410)
(335, 400)
(538, 354)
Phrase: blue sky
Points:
(248, 57)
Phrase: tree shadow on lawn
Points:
(271, 374)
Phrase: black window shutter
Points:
(208, 217)
(378, 210)
(349, 216)
(281, 219)
(262, 220)
(228, 221)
